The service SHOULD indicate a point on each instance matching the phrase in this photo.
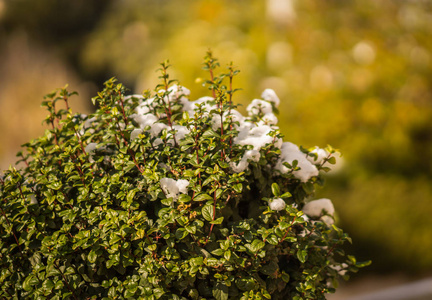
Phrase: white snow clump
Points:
(277, 204)
(321, 154)
(173, 188)
(341, 269)
(90, 149)
(135, 133)
(259, 106)
(235, 116)
(252, 155)
(33, 199)
(270, 95)
(319, 208)
(87, 124)
(291, 152)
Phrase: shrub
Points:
(158, 197)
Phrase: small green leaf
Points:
(210, 133)
(202, 197)
(255, 246)
(332, 160)
(285, 277)
(48, 285)
(152, 247)
(220, 291)
(217, 221)
(275, 189)
(270, 269)
(286, 195)
(29, 282)
(52, 271)
(207, 212)
(218, 252)
(273, 239)
(363, 264)
(158, 292)
(191, 229)
(131, 195)
(184, 198)
(181, 233)
(114, 238)
(302, 256)
(227, 255)
(238, 188)
(92, 256)
(55, 185)
(308, 187)
(59, 285)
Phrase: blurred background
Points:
(353, 74)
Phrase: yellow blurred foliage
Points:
(27, 73)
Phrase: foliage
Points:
(114, 206)
(358, 77)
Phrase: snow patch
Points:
(270, 95)
(322, 208)
(277, 204)
(291, 152)
(173, 188)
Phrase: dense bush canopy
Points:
(155, 196)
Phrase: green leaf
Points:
(55, 185)
(285, 277)
(210, 133)
(217, 221)
(270, 269)
(202, 197)
(207, 212)
(184, 198)
(273, 239)
(302, 256)
(59, 285)
(152, 247)
(158, 292)
(181, 233)
(238, 188)
(191, 229)
(257, 245)
(92, 256)
(48, 285)
(363, 264)
(131, 195)
(129, 293)
(52, 271)
(220, 291)
(227, 255)
(114, 238)
(218, 252)
(332, 160)
(168, 201)
(29, 282)
(286, 195)
(275, 189)
(308, 187)
(245, 284)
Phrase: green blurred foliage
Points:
(355, 74)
